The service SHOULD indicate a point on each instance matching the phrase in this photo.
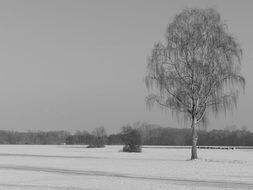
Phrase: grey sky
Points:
(76, 65)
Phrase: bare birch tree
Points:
(197, 71)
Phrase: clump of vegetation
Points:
(100, 138)
(95, 146)
(131, 138)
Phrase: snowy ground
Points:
(27, 167)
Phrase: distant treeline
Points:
(157, 135)
(150, 135)
(182, 137)
(31, 137)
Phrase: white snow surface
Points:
(64, 167)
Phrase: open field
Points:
(76, 168)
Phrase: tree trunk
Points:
(194, 139)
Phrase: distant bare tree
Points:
(197, 70)
(100, 134)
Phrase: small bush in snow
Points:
(132, 139)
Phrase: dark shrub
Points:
(132, 139)
(96, 146)
(135, 148)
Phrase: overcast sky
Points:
(76, 65)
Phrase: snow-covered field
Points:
(24, 167)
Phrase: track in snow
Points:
(171, 180)
(38, 187)
(77, 157)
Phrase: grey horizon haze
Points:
(77, 65)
